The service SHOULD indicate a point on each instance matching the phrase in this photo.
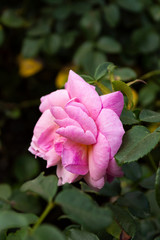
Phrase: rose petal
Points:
(46, 120)
(86, 122)
(77, 87)
(75, 102)
(52, 158)
(67, 122)
(46, 138)
(96, 185)
(111, 127)
(57, 98)
(75, 158)
(58, 112)
(77, 135)
(65, 176)
(109, 178)
(113, 101)
(99, 155)
(34, 148)
(113, 169)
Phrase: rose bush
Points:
(80, 132)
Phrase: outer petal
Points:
(86, 122)
(46, 138)
(46, 120)
(77, 87)
(52, 158)
(65, 176)
(57, 98)
(111, 127)
(99, 155)
(74, 158)
(77, 135)
(113, 169)
(34, 149)
(93, 183)
(109, 178)
(113, 101)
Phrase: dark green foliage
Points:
(116, 43)
(137, 142)
(82, 209)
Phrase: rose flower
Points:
(80, 132)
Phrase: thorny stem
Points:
(150, 74)
(43, 215)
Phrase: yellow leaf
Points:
(135, 97)
(152, 127)
(28, 67)
(62, 76)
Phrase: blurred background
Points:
(41, 40)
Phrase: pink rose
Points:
(80, 132)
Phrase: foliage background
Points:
(39, 42)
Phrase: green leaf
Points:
(157, 186)
(61, 12)
(124, 219)
(109, 45)
(145, 40)
(82, 52)
(52, 44)
(147, 94)
(111, 189)
(31, 47)
(86, 188)
(115, 230)
(124, 88)
(5, 191)
(49, 232)
(148, 183)
(87, 78)
(10, 18)
(14, 113)
(155, 12)
(90, 60)
(136, 202)
(111, 14)
(25, 167)
(155, 209)
(103, 88)
(18, 235)
(11, 219)
(68, 39)
(133, 6)
(90, 24)
(76, 234)
(102, 70)
(149, 116)
(132, 171)
(45, 186)
(137, 142)
(128, 117)
(124, 74)
(42, 27)
(82, 209)
(24, 202)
